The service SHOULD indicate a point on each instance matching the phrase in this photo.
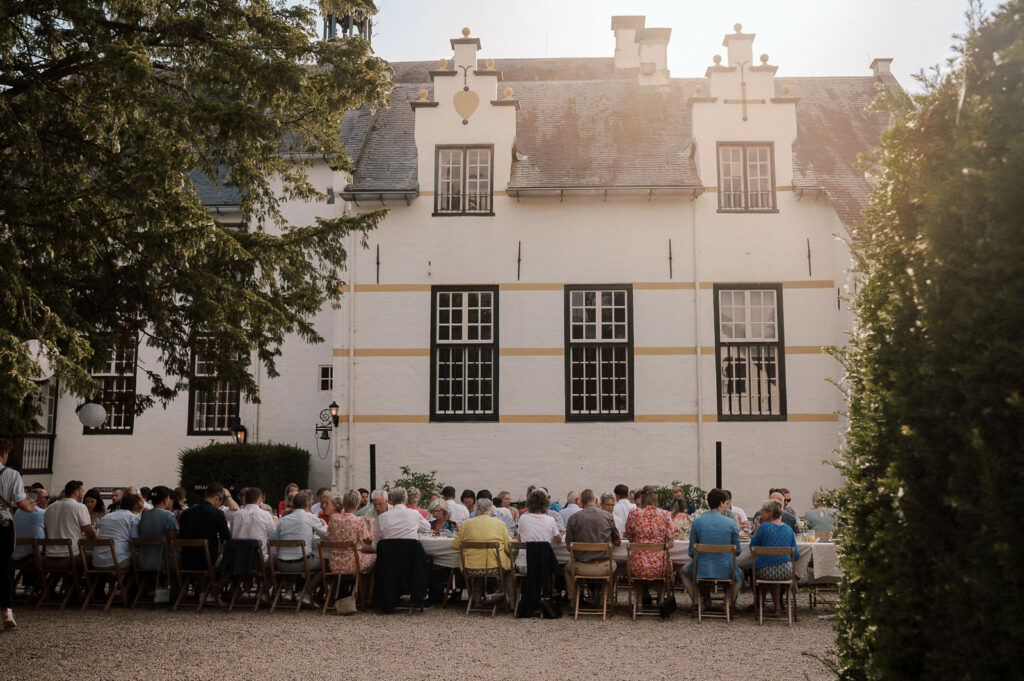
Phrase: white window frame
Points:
(325, 374)
(464, 180)
(746, 177)
(464, 350)
(599, 352)
(117, 377)
(208, 392)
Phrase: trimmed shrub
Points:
(268, 466)
(424, 482)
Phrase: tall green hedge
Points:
(268, 466)
(934, 466)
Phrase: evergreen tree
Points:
(934, 462)
(109, 110)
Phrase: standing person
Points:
(12, 496)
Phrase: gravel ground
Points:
(436, 644)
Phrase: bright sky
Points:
(801, 37)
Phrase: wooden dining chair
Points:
(32, 566)
(605, 579)
(728, 586)
(333, 579)
(246, 569)
(636, 585)
(774, 586)
(118, 576)
(480, 576)
(279, 578)
(202, 579)
(65, 573)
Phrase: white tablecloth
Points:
(820, 555)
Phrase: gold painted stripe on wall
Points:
(665, 418)
(392, 352)
(663, 285)
(500, 192)
(391, 418)
(530, 287)
(707, 350)
(531, 352)
(805, 350)
(812, 418)
(710, 418)
(784, 189)
(531, 418)
(391, 288)
(665, 351)
(341, 352)
(426, 193)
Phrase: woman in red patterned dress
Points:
(648, 524)
(346, 526)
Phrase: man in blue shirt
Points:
(715, 528)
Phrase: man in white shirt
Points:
(67, 519)
(251, 521)
(301, 524)
(400, 522)
(572, 505)
(457, 513)
(622, 504)
(121, 526)
(608, 504)
(735, 509)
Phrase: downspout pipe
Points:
(696, 343)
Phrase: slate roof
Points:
(214, 192)
(582, 123)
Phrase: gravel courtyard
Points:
(437, 644)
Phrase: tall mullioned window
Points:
(746, 177)
(464, 353)
(213, 402)
(117, 392)
(599, 353)
(749, 344)
(464, 184)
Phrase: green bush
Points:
(268, 466)
(932, 552)
(424, 482)
(694, 495)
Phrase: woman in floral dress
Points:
(346, 526)
(648, 524)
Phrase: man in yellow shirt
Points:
(484, 527)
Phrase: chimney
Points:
(740, 46)
(627, 52)
(880, 67)
(653, 55)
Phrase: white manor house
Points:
(592, 272)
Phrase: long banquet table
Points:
(818, 560)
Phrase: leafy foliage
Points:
(694, 495)
(110, 110)
(269, 466)
(935, 369)
(424, 482)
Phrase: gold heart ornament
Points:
(466, 102)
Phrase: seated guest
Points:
(346, 526)
(378, 505)
(328, 507)
(122, 526)
(322, 494)
(144, 497)
(400, 521)
(821, 518)
(677, 511)
(591, 525)
(483, 527)
(29, 525)
(290, 489)
(787, 501)
(364, 497)
(559, 521)
(572, 505)
(468, 500)
(431, 498)
(741, 517)
(414, 501)
(787, 517)
(648, 524)
(623, 503)
(157, 523)
(67, 518)
(251, 521)
(180, 498)
(506, 502)
(536, 525)
(205, 521)
(457, 513)
(441, 522)
(714, 528)
(300, 524)
(93, 501)
(115, 499)
(608, 504)
(769, 530)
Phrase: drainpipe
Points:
(696, 342)
(350, 374)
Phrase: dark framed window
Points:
(750, 352)
(746, 177)
(325, 380)
(213, 402)
(599, 353)
(117, 392)
(463, 180)
(464, 353)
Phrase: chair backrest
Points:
(43, 544)
(242, 557)
(33, 543)
(713, 548)
(487, 546)
(198, 545)
(84, 545)
(650, 548)
(325, 548)
(756, 551)
(588, 547)
(275, 545)
(160, 546)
